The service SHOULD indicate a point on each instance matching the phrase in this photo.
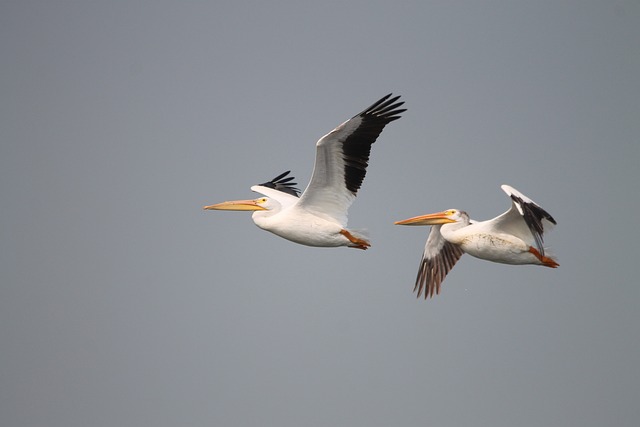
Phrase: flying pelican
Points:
(515, 237)
(318, 217)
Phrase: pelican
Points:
(515, 237)
(318, 217)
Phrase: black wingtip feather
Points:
(385, 108)
(533, 216)
(357, 146)
(283, 184)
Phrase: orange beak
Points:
(236, 205)
(430, 219)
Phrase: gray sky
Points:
(123, 303)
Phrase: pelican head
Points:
(445, 217)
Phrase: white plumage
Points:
(515, 237)
(319, 216)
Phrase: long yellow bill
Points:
(236, 205)
(430, 219)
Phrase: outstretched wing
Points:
(342, 157)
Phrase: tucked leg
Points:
(357, 243)
(546, 261)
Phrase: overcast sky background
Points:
(123, 303)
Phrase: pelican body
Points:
(318, 217)
(515, 237)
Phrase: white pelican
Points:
(515, 237)
(319, 216)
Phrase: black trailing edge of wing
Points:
(357, 146)
(283, 184)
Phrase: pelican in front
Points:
(318, 217)
(515, 237)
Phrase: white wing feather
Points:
(326, 195)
